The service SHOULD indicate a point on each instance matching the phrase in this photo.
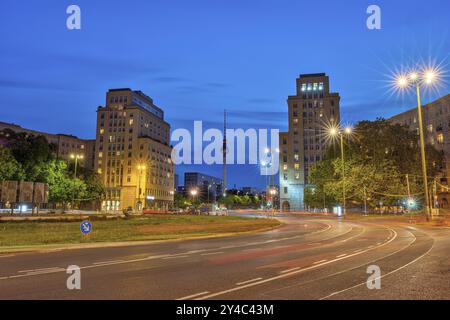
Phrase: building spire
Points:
(224, 152)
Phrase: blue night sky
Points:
(197, 58)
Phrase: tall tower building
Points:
(310, 110)
(133, 152)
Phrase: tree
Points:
(377, 161)
(10, 169)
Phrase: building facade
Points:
(310, 111)
(208, 187)
(133, 152)
(66, 145)
(436, 121)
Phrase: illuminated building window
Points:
(297, 176)
(304, 87)
(440, 138)
(285, 167)
(100, 154)
(131, 121)
(297, 166)
(315, 85)
(296, 157)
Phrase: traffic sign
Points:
(86, 227)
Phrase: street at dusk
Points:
(235, 159)
(307, 258)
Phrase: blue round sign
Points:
(86, 227)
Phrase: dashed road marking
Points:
(289, 270)
(194, 295)
(317, 262)
(211, 253)
(248, 281)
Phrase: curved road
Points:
(306, 258)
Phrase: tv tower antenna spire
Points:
(224, 152)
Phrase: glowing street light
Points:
(427, 77)
(140, 168)
(76, 157)
(335, 132)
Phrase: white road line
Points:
(341, 255)
(108, 262)
(195, 251)
(289, 270)
(317, 262)
(358, 250)
(38, 270)
(3, 278)
(364, 283)
(211, 253)
(174, 257)
(288, 274)
(248, 281)
(194, 295)
(7, 255)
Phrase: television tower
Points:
(224, 152)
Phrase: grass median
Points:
(141, 228)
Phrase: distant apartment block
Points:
(208, 186)
(66, 145)
(133, 152)
(310, 110)
(436, 117)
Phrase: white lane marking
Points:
(38, 270)
(211, 253)
(44, 272)
(3, 278)
(358, 250)
(195, 251)
(108, 262)
(289, 270)
(317, 262)
(194, 295)
(341, 255)
(7, 255)
(248, 281)
(288, 274)
(353, 268)
(385, 275)
(174, 257)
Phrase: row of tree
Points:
(32, 158)
(382, 167)
(231, 200)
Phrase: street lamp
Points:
(334, 132)
(194, 192)
(76, 157)
(140, 168)
(415, 78)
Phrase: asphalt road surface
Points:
(306, 258)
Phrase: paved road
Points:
(306, 258)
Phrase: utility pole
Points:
(343, 173)
(409, 188)
(365, 201)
